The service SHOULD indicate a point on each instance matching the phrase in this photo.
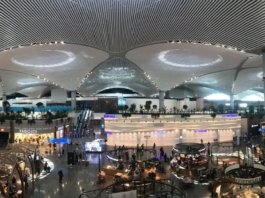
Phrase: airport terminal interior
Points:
(132, 99)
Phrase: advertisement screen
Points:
(95, 146)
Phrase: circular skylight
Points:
(45, 59)
(189, 58)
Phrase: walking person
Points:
(26, 181)
(60, 173)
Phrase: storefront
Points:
(171, 131)
(33, 134)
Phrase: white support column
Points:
(180, 135)
(199, 104)
(232, 101)
(161, 100)
(73, 100)
(263, 65)
(4, 98)
(217, 137)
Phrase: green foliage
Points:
(126, 115)
(126, 107)
(18, 121)
(185, 115)
(212, 108)
(6, 107)
(147, 105)
(185, 107)
(48, 121)
(27, 110)
(155, 115)
(40, 105)
(141, 108)
(132, 108)
(251, 109)
(2, 118)
(31, 121)
(213, 115)
(220, 108)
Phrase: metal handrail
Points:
(138, 185)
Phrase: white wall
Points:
(59, 95)
(169, 103)
(199, 104)
(191, 104)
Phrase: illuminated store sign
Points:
(109, 115)
(35, 130)
(160, 132)
(108, 132)
(28, 131)
(200, 130)
(229, 115)
(262, 130)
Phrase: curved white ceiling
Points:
(137, 30)
(117, 73)
(33, 92)
(60, 64)
(249, 94)
(249, 79)
(171, 64)
(14, 81)
(221, 81)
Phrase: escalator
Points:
(82, 122)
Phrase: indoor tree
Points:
(185, 107)
(147, 105)
(132, 108)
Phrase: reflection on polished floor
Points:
(80, 177)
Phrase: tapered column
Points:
(232, 101)
(73, 100)
(180, 135)
(161, 101)
(263, 66)
(4, 97)
(3, 100)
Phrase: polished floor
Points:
(80, 176)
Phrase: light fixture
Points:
(162, 57)
(70, 58)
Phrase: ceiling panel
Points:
(248, 94)
(59, 64)
(177, 63)
(33, 92)
(117, 73)
(121, 25)
(253, 61)
(249, 79)
(15, 81)
(220, 81)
